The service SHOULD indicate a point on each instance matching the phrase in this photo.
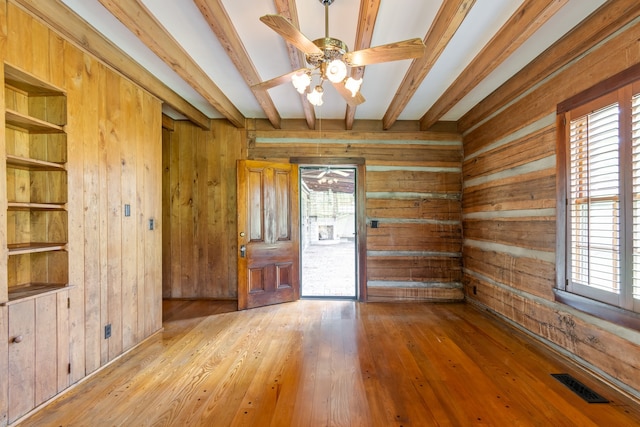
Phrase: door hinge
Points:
(69, 368)
(68, 302)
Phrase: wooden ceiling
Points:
(206, 56)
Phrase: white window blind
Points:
(635, 141)
(594, 200)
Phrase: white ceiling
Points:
(396, 20)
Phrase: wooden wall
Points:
(114, 158)
(199, 210)
(509, 195)
(413, 186)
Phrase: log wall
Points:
(412, 188)
(509, 196)
(114, 158)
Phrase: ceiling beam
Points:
(216, 16)
(66, 22)
(287, 8)
(445, 25)
(364, 33)
(529, 17)
(135, 16)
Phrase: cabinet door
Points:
(22, 346)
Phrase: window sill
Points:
(618, 316)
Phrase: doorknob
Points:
(243, 251)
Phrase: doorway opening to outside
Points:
(328, 232)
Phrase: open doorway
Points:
(328, 232)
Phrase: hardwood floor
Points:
(334, 363)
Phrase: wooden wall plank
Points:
(144, 144)
(535, 146)
(414, 181)
(415, 237)
(414, 268)
(130, 110)
(93, 216)
(153, 205)
(536, 233)
(103, 203)
(534, 190)
(440, 294)
(417, 208)
(529, 275)
(74, 70)
(166, 212)
(115, 138)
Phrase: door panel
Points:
(268, 235)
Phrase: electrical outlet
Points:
(127, 210)
(107, 331)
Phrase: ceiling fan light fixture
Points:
(336, 71)
(315, 97)
(353, 85)
(301, 81)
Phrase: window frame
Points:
(621, 86)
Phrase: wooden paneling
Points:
(509, 196)
(199, 202)
(114, 158)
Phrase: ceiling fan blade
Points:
(339, 172)
(290, 33)
(354, 101)
(276, 81)
(408, 49)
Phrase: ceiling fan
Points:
(330, 59)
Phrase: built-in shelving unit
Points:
(36, 155)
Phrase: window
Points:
(602, 172)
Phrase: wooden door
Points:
(268, 234)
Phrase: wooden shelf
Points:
(33, 247)
(27, 163)
(28, 83)
(32, 290)
(24, 206)
(30, 124)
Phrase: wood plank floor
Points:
(334, 363)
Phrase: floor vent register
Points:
(580, 389)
